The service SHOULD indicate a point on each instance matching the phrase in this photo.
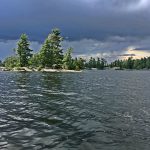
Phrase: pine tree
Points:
(148, 63)
(55, 44)
(90, 63)
(51, 52)
(11, 62)
(130, 63)
(23, 51)
(46, 54)
(98, 63)
(67, 60)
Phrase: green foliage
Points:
(23, 51)
(51, 51)
(78, 64)
(35, 61)
(148, 63)
(90, 64)
(46, 54)
(99, 63)
(11, 62)
(50, 56)
(131, 63)
(55, 41)
(67, 60)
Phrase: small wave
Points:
(60, 93)
(38, 95)
(68, 94)
(145, 112)
(19, 118)
(4, 125)
(14, 96)
(20, 90)
(127, 115)
(24, 131)
(52, 120)
(23, 85)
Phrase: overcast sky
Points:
(105, 28)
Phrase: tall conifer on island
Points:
(23, 51)
(51, 52)
(46, 54)
(56, 40)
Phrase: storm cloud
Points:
(92, 27)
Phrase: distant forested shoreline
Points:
(51, 56)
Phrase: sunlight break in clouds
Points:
(136, 54)
(142, 4)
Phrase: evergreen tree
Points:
(98, 63)
(11, 62)
(80, 63)
(51, 52)
(148, 63)
(67, 60)
(93, 63)
(55, 44)
(75, 64)
(23, 51)
(103, 63)
(46, 54)
(90, 63)
(35, 61)
(137, 64)
(130, 63)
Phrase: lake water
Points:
(95, 110)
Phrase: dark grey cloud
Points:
(127, 55)
(106, 28)
(7, 47)
(94, 19)
(143, 48)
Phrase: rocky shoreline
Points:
(25, 69)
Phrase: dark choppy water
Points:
(108, 110)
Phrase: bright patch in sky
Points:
(136, 54)
(138, 5)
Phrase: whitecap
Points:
(38, 95)
(61, 93)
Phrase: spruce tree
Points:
(55, 43)
(51, 51)
(98, 63)
(23, 51)
(46, 54)
(67, 60)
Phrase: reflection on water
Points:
(106, 110)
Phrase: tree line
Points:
(49, 56)
(130, 63)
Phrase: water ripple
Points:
(106, 110)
